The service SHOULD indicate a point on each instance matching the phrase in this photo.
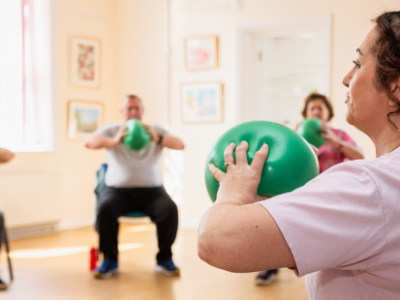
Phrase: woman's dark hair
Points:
(316, 96)
(386, 49)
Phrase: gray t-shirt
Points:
(128, 168)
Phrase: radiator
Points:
(31, 200)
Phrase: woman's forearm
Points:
(351, 151)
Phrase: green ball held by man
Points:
(136, 137)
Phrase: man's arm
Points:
(98, 141)
(168, 141)
(6, 155)
(172, 142)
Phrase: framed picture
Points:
(85, 62)
(202, 103)
(84, 117)
(201, 53)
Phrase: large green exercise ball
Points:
(310, 129)
(136, 136)
(291, 161)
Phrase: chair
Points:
(4, 238)
(101, 175)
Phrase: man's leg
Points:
(163, 212)
(106, 223)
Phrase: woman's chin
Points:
(349, 119)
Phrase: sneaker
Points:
(107, 269)
(266, 277)
(3, 286)
(167, 268)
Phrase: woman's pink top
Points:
(329, 155)
(343, 229)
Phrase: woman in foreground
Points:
(342, 228)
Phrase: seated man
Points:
(133, 183)
(5, 156)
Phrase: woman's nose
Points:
(347, 78)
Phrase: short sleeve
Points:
(108, 130)
(334, 221)
(346, 138)
(160, 130)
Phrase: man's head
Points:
(132, 107)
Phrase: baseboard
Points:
(190, 223)
(75, 223)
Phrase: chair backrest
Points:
(101, 183)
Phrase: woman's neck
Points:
(386, 140)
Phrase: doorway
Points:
(281, 61)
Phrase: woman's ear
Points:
(395, 89)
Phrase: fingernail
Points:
(264, 146)
(242, 142)
(210, 166)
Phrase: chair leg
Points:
(10, 269)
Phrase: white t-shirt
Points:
(343, 229)
(128, 168)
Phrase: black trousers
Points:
(154, 202)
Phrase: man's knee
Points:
(107, 209)
(169, 208)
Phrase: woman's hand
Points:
(330, 136)
(239, 185)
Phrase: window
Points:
(25, 76)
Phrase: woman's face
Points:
(366, 105)
(317, 109)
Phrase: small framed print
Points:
(85, 62)
(84, 117)
(202, 103)
(201, 53)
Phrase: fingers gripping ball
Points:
(136, 136)
(310, 129)
(291, 162)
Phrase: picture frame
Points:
(202, 102)
(84, 117)
(85, 62)
(201, 53)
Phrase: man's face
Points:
(132, 108)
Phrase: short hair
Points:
(316, 96)
(129, 96)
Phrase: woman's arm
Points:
(237, 234)
(6, 155)
(352, 152)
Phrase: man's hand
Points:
(154, 136)
(117, 139)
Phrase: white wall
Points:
(71, 161)
(350, 25)
(142, 33)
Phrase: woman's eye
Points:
(356, 65)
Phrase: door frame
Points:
(246, 34)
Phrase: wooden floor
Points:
(56, 267)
